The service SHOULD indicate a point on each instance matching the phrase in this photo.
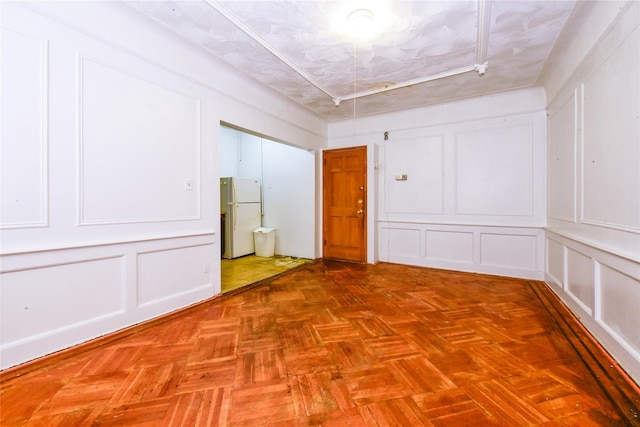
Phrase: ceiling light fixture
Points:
(361, 23)
(361, 19)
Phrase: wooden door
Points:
(344, 202)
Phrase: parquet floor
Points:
(338, 344)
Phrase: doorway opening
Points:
(285, 176)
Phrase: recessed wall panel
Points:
(41, 300)
(513, 251)
(23, 133)
(611, 158)
(580, 279)
(139, 147)
(619, 305)
(449, 246)
(562, 161)
(402, 242)
(167, 273)
(555, 261)
(421, 160)
(493, 172)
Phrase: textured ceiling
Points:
(279, 42)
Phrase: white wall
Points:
(228, 151)
(593, 230)
(105, 116)
(249, 156)
(289, 198)
(287, 174)
(474, 198)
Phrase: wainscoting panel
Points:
(555, 261)
(580, 279)
(451, 246)
(404, 243)
(41, 300)
(158, 277)
(620, 298)
(511, 251)
(506, 251)
(603, 290)
(52, 300)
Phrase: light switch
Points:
(188, 184)
(401, 177)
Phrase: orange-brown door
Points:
(344, 202)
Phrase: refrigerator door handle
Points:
(234, 202)
(235, 216)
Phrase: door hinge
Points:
(324, 242)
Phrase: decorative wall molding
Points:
(509, 250)
(481, 181)
(85, 292)
(438, 246)
(567, 106)
(423, 167)
(158, 278)
(154, 91)
(611, 320)
(513, 251)
(612, 226)
(580, 279)
(43, 119)
(97, 288)
(609, 145)
(509, 178)
(555, 262)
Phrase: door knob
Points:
(359, 211)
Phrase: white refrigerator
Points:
(241, 209)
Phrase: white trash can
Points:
(264, 239)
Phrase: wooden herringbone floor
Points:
(337, 344)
